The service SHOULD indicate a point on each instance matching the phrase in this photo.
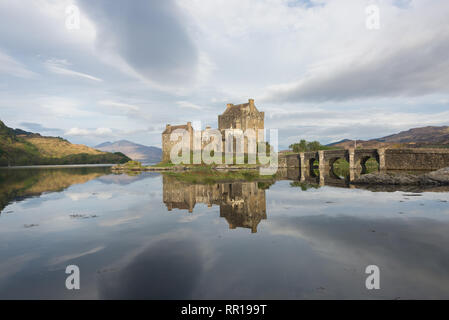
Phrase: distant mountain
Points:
(135, 151)
(19, 147)
(431, 136)
(104, 144)
(338, 142)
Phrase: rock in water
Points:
(387, 179)
(436, 177)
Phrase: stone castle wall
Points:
(243, 116)
(167, 144)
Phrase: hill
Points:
(19, 147)
(133, 150)
(431, 136)
(338, 142)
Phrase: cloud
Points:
(10, 66)
(149, 36)
(426, 72)
(119, 105)
(38, 128)
(186, 104)
(363, 122)
(60, 67)
(406, 57)
(88, 132)
(164, 61)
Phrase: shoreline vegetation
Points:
(136, 166)
(198, 173)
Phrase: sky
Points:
(320, 69)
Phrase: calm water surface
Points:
(151, 236)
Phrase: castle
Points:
(242, 116)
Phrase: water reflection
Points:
(312, 240)
(242, 204)
(20, 184)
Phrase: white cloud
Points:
(10, 66)
(190, 105)
(119, 105)
(60, 67)
(188, 64)
(88, 132)
(303, 53)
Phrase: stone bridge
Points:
(387, 159)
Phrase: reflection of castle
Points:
(242, 204)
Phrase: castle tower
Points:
(242, 116)
(167, 144)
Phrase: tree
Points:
(304, 146)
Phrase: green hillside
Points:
(18, 148)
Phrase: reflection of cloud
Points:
(166, 269)
(189, 218)
(412, 254)
(103, 195)
(76, 196)
(119, 221)
(124, 179)
(72, 256)
(13, 265)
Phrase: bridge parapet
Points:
(388, 159)
(415, 159)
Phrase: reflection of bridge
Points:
(242, 204)
(387, 159)
(311, 177)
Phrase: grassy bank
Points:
(207, 175)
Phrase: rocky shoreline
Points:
(435, 178)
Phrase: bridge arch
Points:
(359, 158)
(339, 168)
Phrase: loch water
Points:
(152, 236)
